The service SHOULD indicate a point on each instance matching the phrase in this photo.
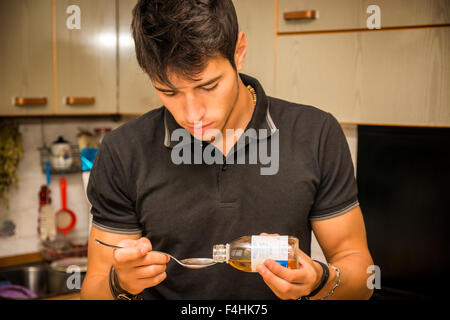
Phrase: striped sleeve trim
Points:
(115, 230)
(336, 213)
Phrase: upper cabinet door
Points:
(26, 57)
(86, 47)
(316, 15)
(136, 92)
(257, 20)
(399, 77)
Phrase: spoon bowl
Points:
(198, 263)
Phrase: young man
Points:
(143, 201)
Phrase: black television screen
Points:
(403, 176)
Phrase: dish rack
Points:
(64, 248)
(45, 155)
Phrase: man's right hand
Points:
(137, 266)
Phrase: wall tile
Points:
(24, 200)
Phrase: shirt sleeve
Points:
(337, 191)
(113, 209)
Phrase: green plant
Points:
(11, 151)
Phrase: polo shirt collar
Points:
(261, 118)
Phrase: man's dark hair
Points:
(180, 36)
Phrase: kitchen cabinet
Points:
(51, 69)
(257, 20)
(395, 77)
(92, 69)
(86, 58)
(26, 57)
(399, 76)
(352, 14)
(136, 92)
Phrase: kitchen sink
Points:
(40, 278)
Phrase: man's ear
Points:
(241, 51)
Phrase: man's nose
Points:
(194, 109)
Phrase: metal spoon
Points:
(191, 263)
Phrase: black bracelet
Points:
(323, 281)
(117, 291)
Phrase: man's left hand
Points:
(291, 283)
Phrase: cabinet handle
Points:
(22, 101)
(79, 100)
(306, 14)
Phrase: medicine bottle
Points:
(247, 252)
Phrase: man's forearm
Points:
(96, 287)
(353, 283)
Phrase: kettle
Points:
(61, 154)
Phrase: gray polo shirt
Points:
(185, 209)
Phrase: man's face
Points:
(205, 103)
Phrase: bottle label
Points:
(265, 247)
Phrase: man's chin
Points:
(205, 138)
(209, 135)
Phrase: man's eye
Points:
(211, 88)
(169, 94)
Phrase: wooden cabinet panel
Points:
(257, 20)
(86, 58)
(392, 77)
(25, 56)
(352, 14)
(136, 92)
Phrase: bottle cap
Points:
(219, 253)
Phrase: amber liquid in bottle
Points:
(246, 265)
(245, 253)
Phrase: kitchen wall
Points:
(24, 200)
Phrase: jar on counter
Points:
(61, 154)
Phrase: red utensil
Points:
(64, 210)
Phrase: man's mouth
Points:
(199, 128)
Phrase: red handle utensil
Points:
(73, 219)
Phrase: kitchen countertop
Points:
(70, 296)
(21, 259)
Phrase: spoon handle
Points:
(118, 247)
(108, 245)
